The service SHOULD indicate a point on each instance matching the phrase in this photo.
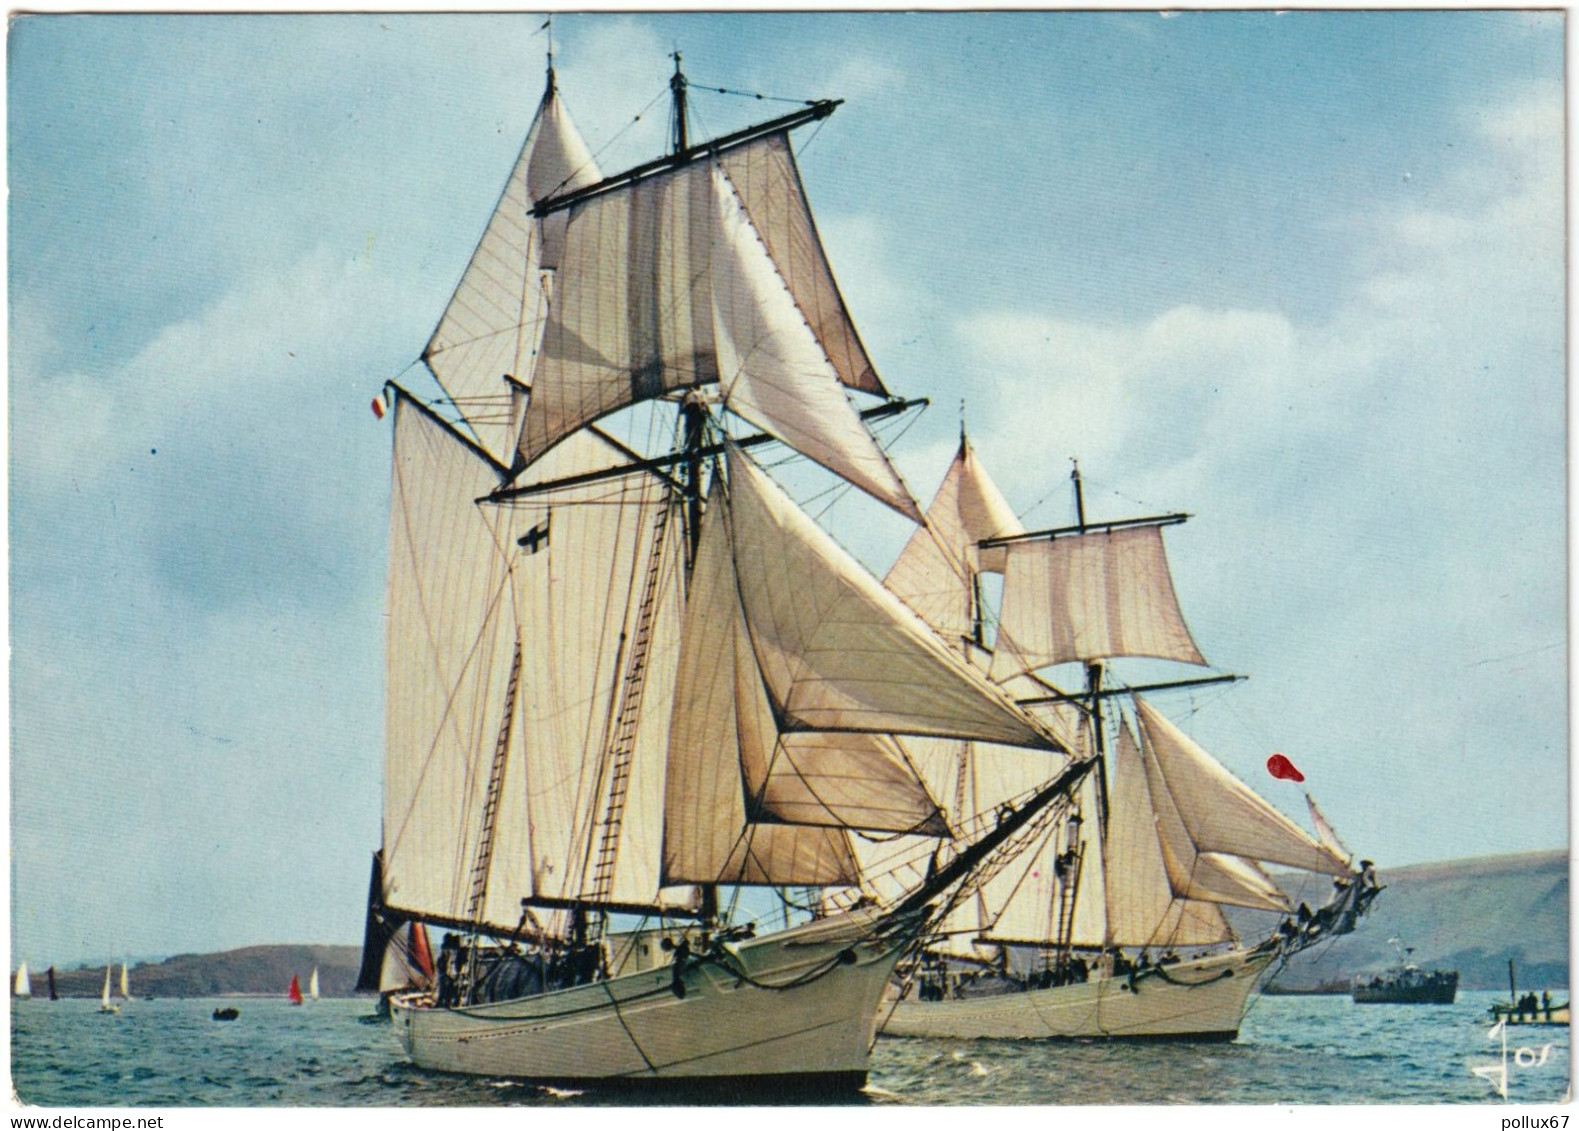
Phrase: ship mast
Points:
(693, 413)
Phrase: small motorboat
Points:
(228, 1013)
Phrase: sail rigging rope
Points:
(635, 1044)
(750, 94)
(602, 148)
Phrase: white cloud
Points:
(1385, 486)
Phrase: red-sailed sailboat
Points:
(296, 990)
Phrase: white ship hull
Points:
(1202, 999)
(810, 1018)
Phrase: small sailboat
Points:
(105, 1004)
(23, 987)
(295, 992)
(125, 985)
(312, 985)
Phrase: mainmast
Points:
(693, 413)
(1093, 670)
(677, 86)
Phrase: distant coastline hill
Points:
(1465, 915)
(1468, 915)
(263, 970)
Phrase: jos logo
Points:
(1497, 1074)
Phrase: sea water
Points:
(1291, 1050)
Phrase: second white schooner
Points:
(1160, 838)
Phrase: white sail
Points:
(493, 323)
(450, 641)
(1326, 833)
(312, 985)
(853, 781)
(773, 370)
(933, 573)
(125, 989)
(665, 284)
(1221, 813)
(769, 185)
(1045, 895)
(837, 651)
(707, 836)
(582, 559)
(23, 986)
(1089, 596)
(1143, 909)
(104, 998)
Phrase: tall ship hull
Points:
(1203, 999)
(796, 1008)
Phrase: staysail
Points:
(1220, 812)
(1143, 909)
(797, 668)
(840, 652)
(1326, 833)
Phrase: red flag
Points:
(1284, 770)
(378, 407)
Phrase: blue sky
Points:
(1300, 275)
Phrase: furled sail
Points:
(1089, 596)
(450, 640)
(1219, 811)
(494, 320)
(933, 573)
(837, 651)
(664, 284)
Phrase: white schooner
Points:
(619, 682)
(1160, 838)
